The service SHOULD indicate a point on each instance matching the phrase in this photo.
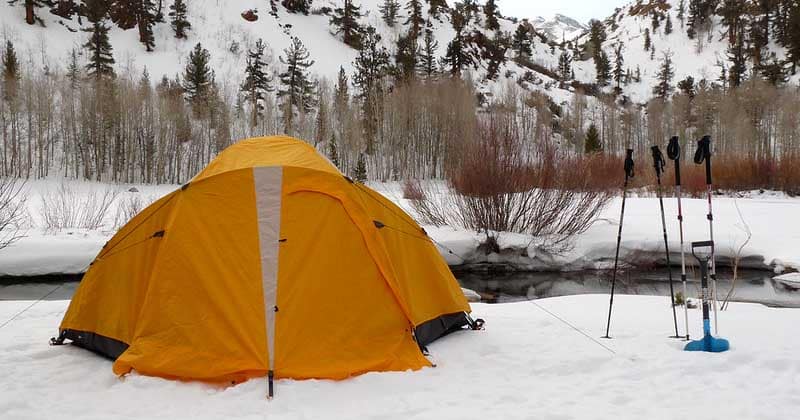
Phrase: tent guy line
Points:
(565, 322)
(8, 321)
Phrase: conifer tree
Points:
(406, 56)
(427, 66)
(565, 66)
(30, 9)
(686, 86)
(668, 25)
(738, 68)
(647, 41)
(619, 63)
(456, 56)
(793, 35)
(297, 89)
(522, 42)
(257, 82)
(415, 19)
(371, 68)
(10, 72)
(664, 87)
(491, 13)
(342, 92)
(389, 10)
(345, 20)
(592, 143)
(360, 173)
(333, 151)
(101, 59)
(147, 16)
(73, 70)
(436, 7)
(178, 19)
(656, 21)
(603, 67)
(65, 9)
(682, 12)
(597, 36)
(297, 6)
(774, 72)
(197, 75)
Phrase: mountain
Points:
(559, 28)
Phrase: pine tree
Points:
(73, 70)
(427, 65)
(668, 25)
(647, 41)
(197, 75)
(30, 9)
(774, 72)
(592, 144)
(101, 59)
(360, 173)
(655, 22)
(415, 19)
(389, 10)
(345, 19)
(257, 82)
(565, 66)
(597, 36)
(491, 13)
(664, 87)
(619, 63)
(405, 57)
(65, 9)
(178, 19)
(148, 15)
(682, 12)
(732, 12)
(297, 6)
(793, 36)
(333, 151)
(371, 68)
(603, 67)
(297, 89)
(686, 86)
(456, 56)
(342, 92)
(522, 41)
(494, 53)
(738, 68)
(436, 7)
(10, 72)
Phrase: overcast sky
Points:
(582, 10)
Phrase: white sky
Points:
(582, 10)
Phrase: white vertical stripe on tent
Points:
(268, 186)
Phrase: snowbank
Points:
(526, 364)
(775, 241)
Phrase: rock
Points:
(133, 189)
(250, 15)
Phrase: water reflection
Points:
(751, 286)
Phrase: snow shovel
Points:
(708, 343)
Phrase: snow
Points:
(526, 364)
(790, 279)
(771, 217)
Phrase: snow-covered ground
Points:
(771, 218)
(526, 364)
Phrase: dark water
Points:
(752, 286)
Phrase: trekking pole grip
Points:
(703, 154)
(629, 170)
(674, 153)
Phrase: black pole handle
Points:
(674, 153)
(703, 154)
(629, 170)
(658, 161)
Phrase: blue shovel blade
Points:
(708, 344)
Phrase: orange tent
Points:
(269, 260)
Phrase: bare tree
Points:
(13, 213)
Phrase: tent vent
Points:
(185, 186)
(350, 180)
(378, 224)
(159, 234)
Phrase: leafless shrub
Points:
(500, 186)
(412, 190)
(737, 254)
(12, 211)
(65, 208)
(128, 207)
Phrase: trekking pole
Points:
(674, 153)
(658, 163)
(628, 175)
(703, 154)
